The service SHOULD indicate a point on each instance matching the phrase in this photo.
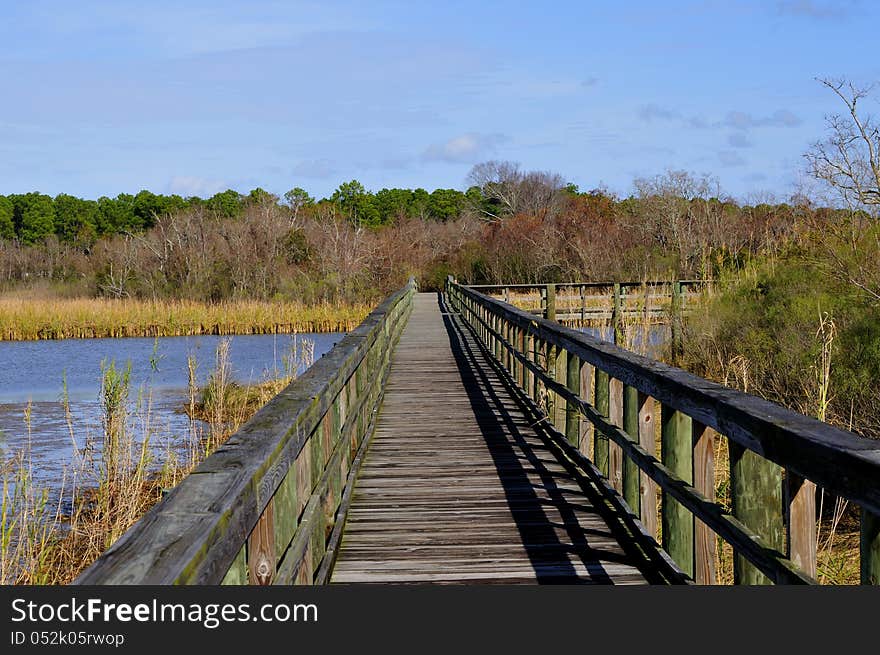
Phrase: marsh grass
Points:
(116, 477)
(65, 318)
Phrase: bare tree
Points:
(535, 192)
(848, 161)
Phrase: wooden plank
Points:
(261, 549)
(615, 416)
(631, 474)
(473, 494)
(801, 520)
(602, 398)
(677, 454)
(756, 494)
(648, 488)
(704, 482)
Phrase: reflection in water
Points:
(33, 374)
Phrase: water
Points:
(34, 372)
(653, 346)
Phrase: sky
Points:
(194, 97)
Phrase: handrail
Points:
(588, 382)
(262, 507)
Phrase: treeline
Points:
(509, 225)
(32, 217)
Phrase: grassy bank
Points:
(65, 318)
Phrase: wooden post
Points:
(869, 548)
(600, 444)
(616, 322)
(676, 453)
(631, 472)
(801, 519)
(537, 350)
(572, 415)
(704, 482)
(583, 305)
(550, 358)
(647, 440)
(529, 352)
(261, 549)
(561, 376)
(615, 416)
(756, 492)
(550, 311)
(586, 393)
(676, 322)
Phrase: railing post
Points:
(615, 416)
(550, 350)
(756, 492)
(869, 548)
(676, 325)
(631, 476)
(561, 376)
(550, 311)
(573, 384)
(801, 519)
(616, 323)
(647, 440)
(600, 445)
(676, 452)
(704, 482)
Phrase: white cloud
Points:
(191, 185)
(466, 148)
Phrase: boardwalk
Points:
(406, 455)
(456, 487)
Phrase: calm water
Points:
(34, 371)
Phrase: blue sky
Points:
(194, 97)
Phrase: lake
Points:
(34, 372)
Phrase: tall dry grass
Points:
(65, 318)
(115, 478)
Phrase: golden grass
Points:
(66, 318)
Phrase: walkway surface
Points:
(457, 487)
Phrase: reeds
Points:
(115, 478)
(65, 318)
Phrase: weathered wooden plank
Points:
(801, 520)
(677, 454)
(704, 482)
(473, 494)
(756, 493)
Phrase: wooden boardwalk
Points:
(458, 487)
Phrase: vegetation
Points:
(102, 317)
(112, 482)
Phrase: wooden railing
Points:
(603, 403)
(268, 506)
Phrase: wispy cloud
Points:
(739, 140)
(815, 10)
(314, 168)
(729, 158)
(466, 148)
(650, 113)
(192, 185)
(741, 120)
